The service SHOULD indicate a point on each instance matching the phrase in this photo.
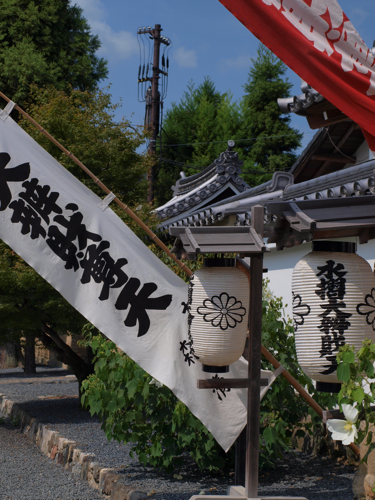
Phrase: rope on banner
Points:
(97, 181)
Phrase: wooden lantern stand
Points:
(248, 242)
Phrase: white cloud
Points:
(122, 44)
(115, 44)
(235, 63)
(357, 16)
(93, 9)
(185, 58)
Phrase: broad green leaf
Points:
(358, 395)
(343, 372)
(370, 369)
(269, 435)
(348, 357)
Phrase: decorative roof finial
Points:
(230, 146)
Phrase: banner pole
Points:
(98, 182)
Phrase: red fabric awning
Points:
(319, 43)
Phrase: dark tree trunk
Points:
(29, 364)
(65, 354)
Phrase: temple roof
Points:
(335, 144)
(218, 181)
(333, 180)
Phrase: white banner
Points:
(97, 263)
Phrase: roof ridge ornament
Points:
(228, 161)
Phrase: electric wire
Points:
(236, 140)
(196, 167)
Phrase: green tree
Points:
(204, 119)
(30, 308)
(272, 141)
(196, 123)
(84, 123)
(48, 42)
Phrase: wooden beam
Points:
(318, 121)
(343, 139)
(255, 344)
(328, 414)
(334, 158)
(227, 383)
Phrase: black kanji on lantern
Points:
(15, 174)
(186, 347)
(334, 322)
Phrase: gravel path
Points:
(27, 474)
(55, 403)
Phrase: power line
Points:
(236, 140)
(196, 167)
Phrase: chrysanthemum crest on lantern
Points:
(222, 311)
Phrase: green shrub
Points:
(355, 369)
(135, 410)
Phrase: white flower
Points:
(344, 430)
(156, 382)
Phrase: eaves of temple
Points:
(329, 192)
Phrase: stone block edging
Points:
(68, 455)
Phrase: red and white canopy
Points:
(318, 42)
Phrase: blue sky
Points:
(207, 41)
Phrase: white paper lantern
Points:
(333, 304)
(218, 314)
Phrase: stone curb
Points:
(67, 454)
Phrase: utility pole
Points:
(152, 95)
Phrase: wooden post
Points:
(240, 460)
(255, 338)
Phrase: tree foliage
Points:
(262, 119)
(196, 129)
(31, 308)
(202, 116)
(84, 123)
(47, 42)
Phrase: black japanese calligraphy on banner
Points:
(80, 249)
(15, 174)
(334, 322)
